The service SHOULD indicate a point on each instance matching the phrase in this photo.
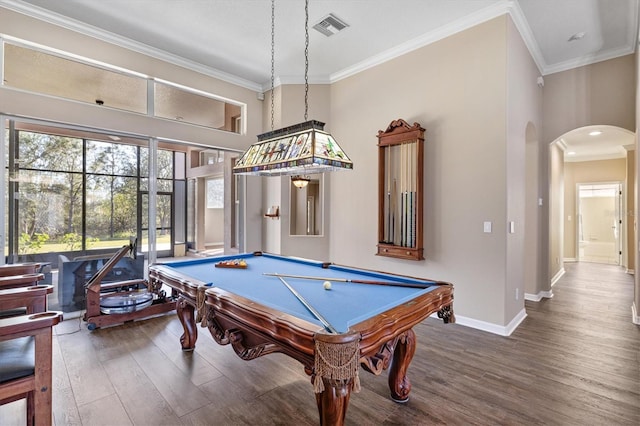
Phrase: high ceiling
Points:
(234, 36)
(231, 39)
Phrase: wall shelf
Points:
(273, 212)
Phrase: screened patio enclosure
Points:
(78, 192)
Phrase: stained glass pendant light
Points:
(301, 149)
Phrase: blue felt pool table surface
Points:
(344, 305)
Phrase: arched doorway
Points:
(587, 158)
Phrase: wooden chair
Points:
(19, 269)
(26, 363)
(23, 280)
(24, 300)
(27, 297)
(25, 349)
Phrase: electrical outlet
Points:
(517, 294)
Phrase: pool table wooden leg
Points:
(333, 402)
(186, 315)
(399, 383)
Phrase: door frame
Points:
(619, 206)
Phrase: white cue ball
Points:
(326, 285)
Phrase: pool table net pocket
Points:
(200, 306)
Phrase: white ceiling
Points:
(596, 143)
(231, 39)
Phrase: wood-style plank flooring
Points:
(575, 360)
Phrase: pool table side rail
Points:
(269, 330)
(393, 276)
(282, 332)
(382, 328)
(176, 280)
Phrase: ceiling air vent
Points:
(330, 25)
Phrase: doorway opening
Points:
(599, 235)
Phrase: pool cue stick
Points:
(408, 172)
(387, 168)
(401, 194)
(407, 188)
(411, 200)
(348, 280)
(401, 172)
(394, 195)
(311, 309)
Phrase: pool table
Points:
(364, 319)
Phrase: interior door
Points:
(599, 226)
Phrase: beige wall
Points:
(536, 240)
(629, 216)
(585, 172)
(289, 110)
(524, 118)
(556, 213)
(319, 100)
(456, 89)
(636, 239)
(601, 93)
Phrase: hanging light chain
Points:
(306, 59)
(273, 54)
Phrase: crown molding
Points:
(469, 21)
(587, 60)
(97, 33)
(519, 20)
(510, 7)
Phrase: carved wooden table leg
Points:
(186, 315)
(399, 383)
(333, 402)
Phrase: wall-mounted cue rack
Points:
(400, 190)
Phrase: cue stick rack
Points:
(400, 191)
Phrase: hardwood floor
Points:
(575, 360)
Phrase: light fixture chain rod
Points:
(306, 59)
(273, 54)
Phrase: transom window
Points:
(56, 74)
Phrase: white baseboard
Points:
(539, 296)
(631, 272)
(557, 276)
(634, 314)
(493, 328)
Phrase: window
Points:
(178, 104)
(40, 70)
(50, 188)
(215, 193)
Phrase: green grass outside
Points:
(102, 244)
